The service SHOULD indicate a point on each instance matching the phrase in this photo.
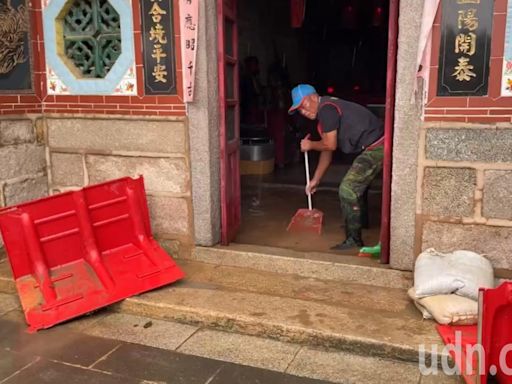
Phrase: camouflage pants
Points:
(365, 168)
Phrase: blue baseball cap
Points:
(298, 94)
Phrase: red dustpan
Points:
(307, 220)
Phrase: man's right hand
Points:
(305, 144)
(311, 187)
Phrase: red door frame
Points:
(230, 173)
(388, 131)
(229, 146)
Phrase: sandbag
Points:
(459, 272)
(447, 309)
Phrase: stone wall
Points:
(86, 151)
(204, 132)
(465, 184)
(22, 162)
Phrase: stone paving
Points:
(108, 347)
(62, 355)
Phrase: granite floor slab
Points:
(141, 330)
(8, 303)
(241, 349)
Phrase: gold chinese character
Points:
(463, 71)
(468, 19)
(158, 53)
(156, 13)
(160, 73)
(468, 1)
(465, 43)
(157, 33)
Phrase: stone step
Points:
(356, 318)
(264, 358)
(324, 266)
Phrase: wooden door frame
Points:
(230, 203)
(385, 222)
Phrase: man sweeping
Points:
(353, 129)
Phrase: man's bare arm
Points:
(323, 164)
(329, 142)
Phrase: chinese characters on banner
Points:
(189, 13)
(158, 46)
(466, 30)
(506, 87)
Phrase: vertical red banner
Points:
(189, 17)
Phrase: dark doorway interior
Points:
(340, 48)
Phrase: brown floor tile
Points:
(55, 344)
(158, 365)
(11, 362)
(240, 374)
(8, 303)
(49, 372)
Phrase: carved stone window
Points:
(89, 46)
(90, 33)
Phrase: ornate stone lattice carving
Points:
(92, 36)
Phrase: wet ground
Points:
(269, 203)
(61, 355)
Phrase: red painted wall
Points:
(484, 109)
(39, 102)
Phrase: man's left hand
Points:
(306, 144)
(312, 186)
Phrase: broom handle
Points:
(306, 163)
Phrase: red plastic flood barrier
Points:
(468, 339)
(493, 334)
(78, 251)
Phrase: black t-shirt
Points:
(329, 118)
(357, 127)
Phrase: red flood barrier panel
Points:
(485, 350)
(78, 251)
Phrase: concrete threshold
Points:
(325, 266)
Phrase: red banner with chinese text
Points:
(189, 17)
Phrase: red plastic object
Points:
(306, 220)
(78, 251)
(467, 339)
(494, 334)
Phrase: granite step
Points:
(357, 318)
(161, 350)
(325, 266)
